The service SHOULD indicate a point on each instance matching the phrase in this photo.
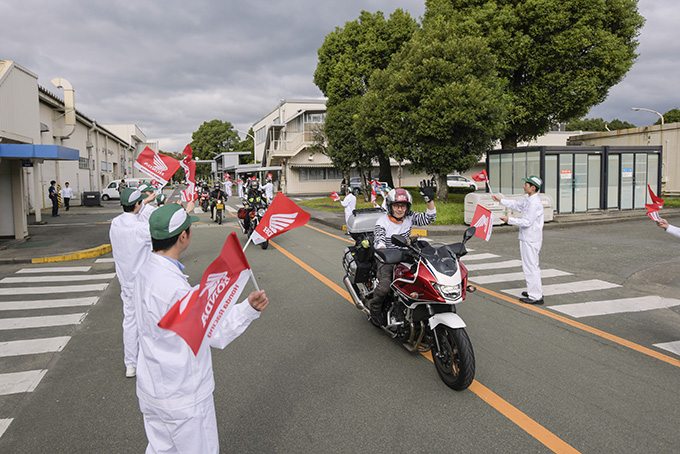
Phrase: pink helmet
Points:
(398, 195)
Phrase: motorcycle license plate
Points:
(220, 206)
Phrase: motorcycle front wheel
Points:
(264, 245)
(455, 360)
(219, 217)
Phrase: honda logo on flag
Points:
(483, 221)
(282, 215)
(157, 165)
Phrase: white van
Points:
(111, 190)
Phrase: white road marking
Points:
(644, 303)
(4, 424)
(104, 260)
(56, 269)
(20, 382)
(41, 322)
(673, 347)
(47, 304)
(48, 290)
(509, 277)
(56, 278)
(479, 256)
(570, 287)
(231, 209)
(492, 266)
(33, 346)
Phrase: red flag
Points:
(481, 176)
(373, 196)
(189, 166)
(483, 221)
(282, 215)
(335, 196)
(658, 201)
(156, 165)
(195, 316)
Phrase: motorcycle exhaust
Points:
(353, 294)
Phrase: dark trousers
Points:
(384, 273)
(67, 200)
(55, 206)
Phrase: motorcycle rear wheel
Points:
(455, 362)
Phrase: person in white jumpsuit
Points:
(131, 245)
(350, 203)
(269, 191)
(239, 186)
(227, 186)
(673, 230)
(530, 236)
(174, 386)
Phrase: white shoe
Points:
(130, 371)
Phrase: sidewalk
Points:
(83, 232)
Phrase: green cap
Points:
(146, 187)
(533, 179)
(169, 220)
(161, 198)
(130, 196)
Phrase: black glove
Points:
(427, 190)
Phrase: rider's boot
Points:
(377, 316)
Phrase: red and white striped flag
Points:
(373, 195)
(335, 196)
(189, 166)
(195, 317)
(282, 215)
(157, 165)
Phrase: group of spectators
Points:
(66, 196)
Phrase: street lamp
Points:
(635, 109)
(249, 135)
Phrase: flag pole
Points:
(247, 243)
(252, 276)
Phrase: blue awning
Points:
(50, 152)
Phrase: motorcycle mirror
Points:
(399, 241)
(469, 233)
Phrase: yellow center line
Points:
(329, 234)
(540, 433)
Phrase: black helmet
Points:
(254, 184)
(398, 195)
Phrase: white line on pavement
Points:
(104, 260)
(479, 256)
(41, 322)
(509, 277)
(570, 287)
(231, 209)
(56, 269)
(56, 278)
(589, 309)
(492, 266)
(47, 304)
(48, 290)
(4, 424)
(20, 382)
(673, 347)
(33, 346)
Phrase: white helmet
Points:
(398, 195)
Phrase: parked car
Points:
(459, 181)
(354, 183)
(111, 190)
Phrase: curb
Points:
(78, 255)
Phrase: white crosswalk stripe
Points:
(483, 256)
(492, 266)
(570, 287)
(673, 347)
(20, 382)
(231, 209)
(104, 260)
(4, 424)
(593, 308)
(510, 277)
(50, 290)
(56, 269)
(41, 322)
(47, 304)
(56, 278)
(33, 346)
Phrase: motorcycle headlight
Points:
(448, 291)
(260, 212)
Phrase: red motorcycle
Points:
(429, 281)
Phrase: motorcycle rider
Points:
(218, 193)
(253, 196)
(397, 221)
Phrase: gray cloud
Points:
(170, 65)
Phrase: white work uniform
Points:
(239, 186)
(269, 191)
(673, 230)
(131, 245)
(145, 213)
(350, 203)
(227, 187)
(174, 386)
(67, 193)
(530, 240)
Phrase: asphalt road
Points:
(312, 375)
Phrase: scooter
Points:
(429, 281)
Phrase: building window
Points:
(260, 135)
(316, 174)
(84, 163)
(315, 117)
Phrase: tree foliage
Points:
(597, 124)
(672, 116)
(439, 103)
(347, 59)
(558, 58)
(214, 137)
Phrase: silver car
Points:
(459, 181)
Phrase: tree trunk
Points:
(442, 189)
(385, 170)
(509, 142)
(364, 188)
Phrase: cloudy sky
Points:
(170, 65)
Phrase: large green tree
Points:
(348, 57)
(559, 58)
(672, 116)
(597, 124)
(214, 137)
(439, 103)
